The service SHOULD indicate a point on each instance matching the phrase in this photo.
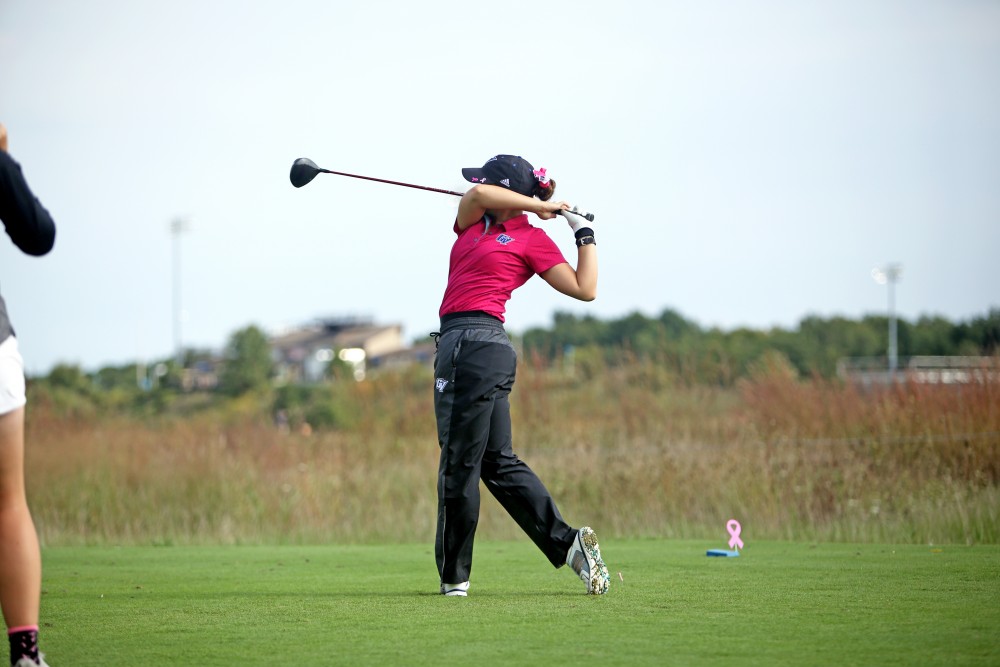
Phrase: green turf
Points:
(778, 603)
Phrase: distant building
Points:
(304, 354)
(421, 353)
(874, 371)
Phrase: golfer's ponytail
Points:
(544, 186)
(544, 191)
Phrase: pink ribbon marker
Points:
(734, 528)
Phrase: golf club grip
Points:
(585, 214)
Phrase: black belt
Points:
(467, 319)
(468, 314)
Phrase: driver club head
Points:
(303, 171)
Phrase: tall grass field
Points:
(626, 449)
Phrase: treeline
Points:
(678, 349)
(715, 356)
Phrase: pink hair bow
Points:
(540, 175)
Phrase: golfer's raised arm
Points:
(579, 283)
(481, 198)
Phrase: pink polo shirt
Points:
(486, 268)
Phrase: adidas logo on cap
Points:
(505, 182)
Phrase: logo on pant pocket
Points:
(440, 384)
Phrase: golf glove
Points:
(576, 222)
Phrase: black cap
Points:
(507, 171)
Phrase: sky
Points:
(749, 163)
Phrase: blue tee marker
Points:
(722, 552)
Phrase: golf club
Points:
(304, 170)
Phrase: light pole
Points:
(177, 227)
(890, 276)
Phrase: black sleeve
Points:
(28, 224)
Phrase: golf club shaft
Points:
(585, 214)
(382, 180)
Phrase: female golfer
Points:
(31, 229)
(496, 251)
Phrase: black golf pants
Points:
(474, 372)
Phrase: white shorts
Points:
(11, 377)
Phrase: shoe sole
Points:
(600, 581)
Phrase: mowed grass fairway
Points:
(779, 603)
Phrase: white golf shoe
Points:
(585, 559)
(455, 590)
